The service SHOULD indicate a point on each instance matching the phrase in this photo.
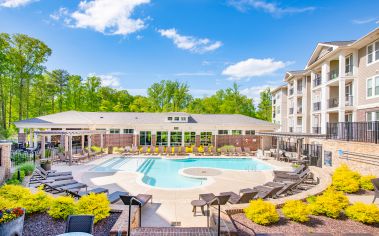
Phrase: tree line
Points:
(28, 90)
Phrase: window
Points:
(223, 132)
(145, 138)
(371, 116)
(369, 88)
(162, 138)
(278, 110)
(176, 138)
(250, 132)
(176, 118)
(373, 87)
(183, 118)
(236, 132)
(373, 52)
(114, 131)
(206, 138)
(349, 64)
(189, 138)
(1, 156)
(128, 131)
(169, 118)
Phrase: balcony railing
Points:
(299, 90)
(333, 74)
(273, 115)
(348, 70)
(299, 110)
(316, 130)
(317, 81)
(291, 111)
(348, 100)
(274, 101)
(354, 131)
(299, 129)
(291, 129)
(333, 102)
(316, 106)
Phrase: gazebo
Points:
(67, 135)
(299, 137)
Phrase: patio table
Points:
(198, 203)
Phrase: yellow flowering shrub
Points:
(200, 149)
(296, 210)
(6, 203)
(346, 180)
(331, 203)
(261, 212)
(365, 213)
(365, 182)
(61, 207)
(188, 149)
(94, 204)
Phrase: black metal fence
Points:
(313, 152)
(20, 157)
(354, 131)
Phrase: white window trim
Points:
(373, 87)
(374, 59)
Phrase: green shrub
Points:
(311, 199)
(27, 168)
(96, 149)
(345, 180)
(296, 210)
(365, 213)
(331, 203)
(94, 204)
(261, 212)
(365, 182)
(61, 207)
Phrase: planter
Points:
(12, 228)
(46, 166)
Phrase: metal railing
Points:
(20, 157)
(317, 81)
(354, 131)
(313, 152)
(291, 129)
(333, 102)
(349, 100)
(291, 91)
(299, 110)
(316, 130)
(291, 111)
(333, 74)
(299, 90)
(316, 106)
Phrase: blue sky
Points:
(131, 44)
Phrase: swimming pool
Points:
(165, 173)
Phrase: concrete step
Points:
(171, 231)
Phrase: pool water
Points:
(164, 173)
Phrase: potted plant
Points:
(46, 165)
(12, 221)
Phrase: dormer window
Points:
(176, 118)
(169, 118)
(183, 118)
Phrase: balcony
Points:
(299, 90)
(317, 81)
(332, 102)
(316, 106)
(333, 74)
(299, 129)
(299, 110)
(348, 100)
(316, 130)
(273, 115)
(349, 70)
(274, 101)
(291, 129)
(291, 111)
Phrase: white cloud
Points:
(269, 7)
(254, 91)
(253, 67)
(109, 80)
(364, 21)
(108, 16)
(62, 12)
(195, 74)
(190, 43)
(15, 3)
(134, 92)
(199, 93)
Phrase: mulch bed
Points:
(317, 224)
(44, 225)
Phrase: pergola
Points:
(299, 137)
(67, 136)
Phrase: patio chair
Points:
(287, 187)
(182, 151)
(112, 197)
(80, 223)
(127, 150)
(260, 155)
(52, 173)
(134, 150)
(263, 191)
(168, 151)
(375, 182)
(160, 150)
(247, 150)
(224, 151)
(240, 152)
(37, 175)
(214, 151)
(293, 177)
(245, 197)
(144, 150)
(298, 170)
(143, 198)
(210, 199)
(195, 151)
(207, 151)
(53, 186)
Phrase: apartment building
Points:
(279, 107)
(340, 83)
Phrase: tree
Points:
(60, 80)
(265, 107)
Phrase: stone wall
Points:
(5, 161)
(359, 147)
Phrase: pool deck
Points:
(169, 205)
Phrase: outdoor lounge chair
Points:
(210, 199)
(144, 150)
(37, 176)
(298, 170)
(80, 223)
(182, 151)
(214, 151)
(224, 151)
(248, 151)
(134, 150)
(375, 182)
(53, 173)
(239, 152)
(287, 187)
(232, 151)
(243, 198)
(292, 176)
(195, 151)
(152, 150)
(207, 151)
(263, 191)
(143, 198)
(112, 197)
(168, 151)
